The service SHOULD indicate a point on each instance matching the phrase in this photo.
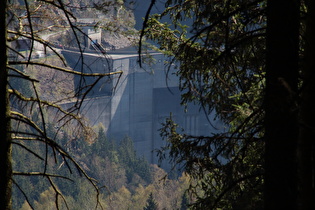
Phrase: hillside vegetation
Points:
(127, 179)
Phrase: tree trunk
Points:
(5, 135)
(307, 116)
(281, 124)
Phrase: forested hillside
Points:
(126, 180)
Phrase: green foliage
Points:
(131, 162)
(112, 173)
(219, 54)
(222, 63)
(151, 203)
(121, 155)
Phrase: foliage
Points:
(117, 159)
(131, 162)
(257, 79)
(219, 47)
(151, 204)
(117, 191)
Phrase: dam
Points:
(137, 102)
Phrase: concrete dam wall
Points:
(136, 103)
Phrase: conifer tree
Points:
(252, 63)
(151, 203)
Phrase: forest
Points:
(250, 62)
(125, 179)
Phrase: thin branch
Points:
(144, 26)
(31, 28)
(61, 151)
(64, 69)
(18, 173)
(232, 185)
(27, 149)
(39, 133)
(43, 103)
(43, 124)
(24, 194)
(40, 40)
(58, 193)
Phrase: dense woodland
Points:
(251, 62)
(126, 180)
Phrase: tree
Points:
(221, 67)
(306, 142)
(281, 118)
(151, 204)
(250, 62)
(131, 162)
(5, 151)
(27, 118)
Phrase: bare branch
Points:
(58, 193)
(145, 25)
(27, 149)
(64, 69)
(24, 194)
(18, 173)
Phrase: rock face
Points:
(136, 103)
